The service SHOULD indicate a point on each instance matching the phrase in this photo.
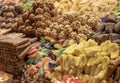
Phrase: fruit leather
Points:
(5, 77)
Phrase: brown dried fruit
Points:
(114, 36)
(116, 29)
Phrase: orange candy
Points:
(46, 59)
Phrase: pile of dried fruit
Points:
(97, 7)
(73, 25)
(10, 14)
(39, 17)
(86, 60)
(110, 30)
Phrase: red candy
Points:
(61, 41)
(32, 51)
(37, 45)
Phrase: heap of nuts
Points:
(36, 19)
(110, 30)
(97, 7)
(72, 25)
(11, 1)
(10, 14)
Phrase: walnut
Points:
(73, 35)
(47, 31)
(28, 29)
(2, 19)
(53, 12)
(11, 8)
(38, 23)
(14, 26)
(18, 9)
(25, 15)
(32, 17)
(47, 15)
(62, 35)
(82, 36)
(34, 5)
(39, 11)
(10, 20)
(43, 25)
(27, 22)
(69, 29)
(4, 8)
(39, 32)
(20, 28)
(39, 18)
(66, 22)
(9, 25)
(40, 4)
(46, 9)
(0, 13)
(50, 5)
(48, 22)
(3, 25)
(19, 21)
(60, 20)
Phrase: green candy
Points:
(45, 51)
(41, 71)
(30, 61)
(27, 3)
(117, 11)
(41, 49)
(61, 51)
(43, 41)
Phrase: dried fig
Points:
(111, 18)
(109, 27)
(114, 36)
(117, 27)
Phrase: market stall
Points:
(59, 41)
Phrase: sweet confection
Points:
(13, 50)
(39, 17)
(109, 30)
(59, 41)
(10, 14)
